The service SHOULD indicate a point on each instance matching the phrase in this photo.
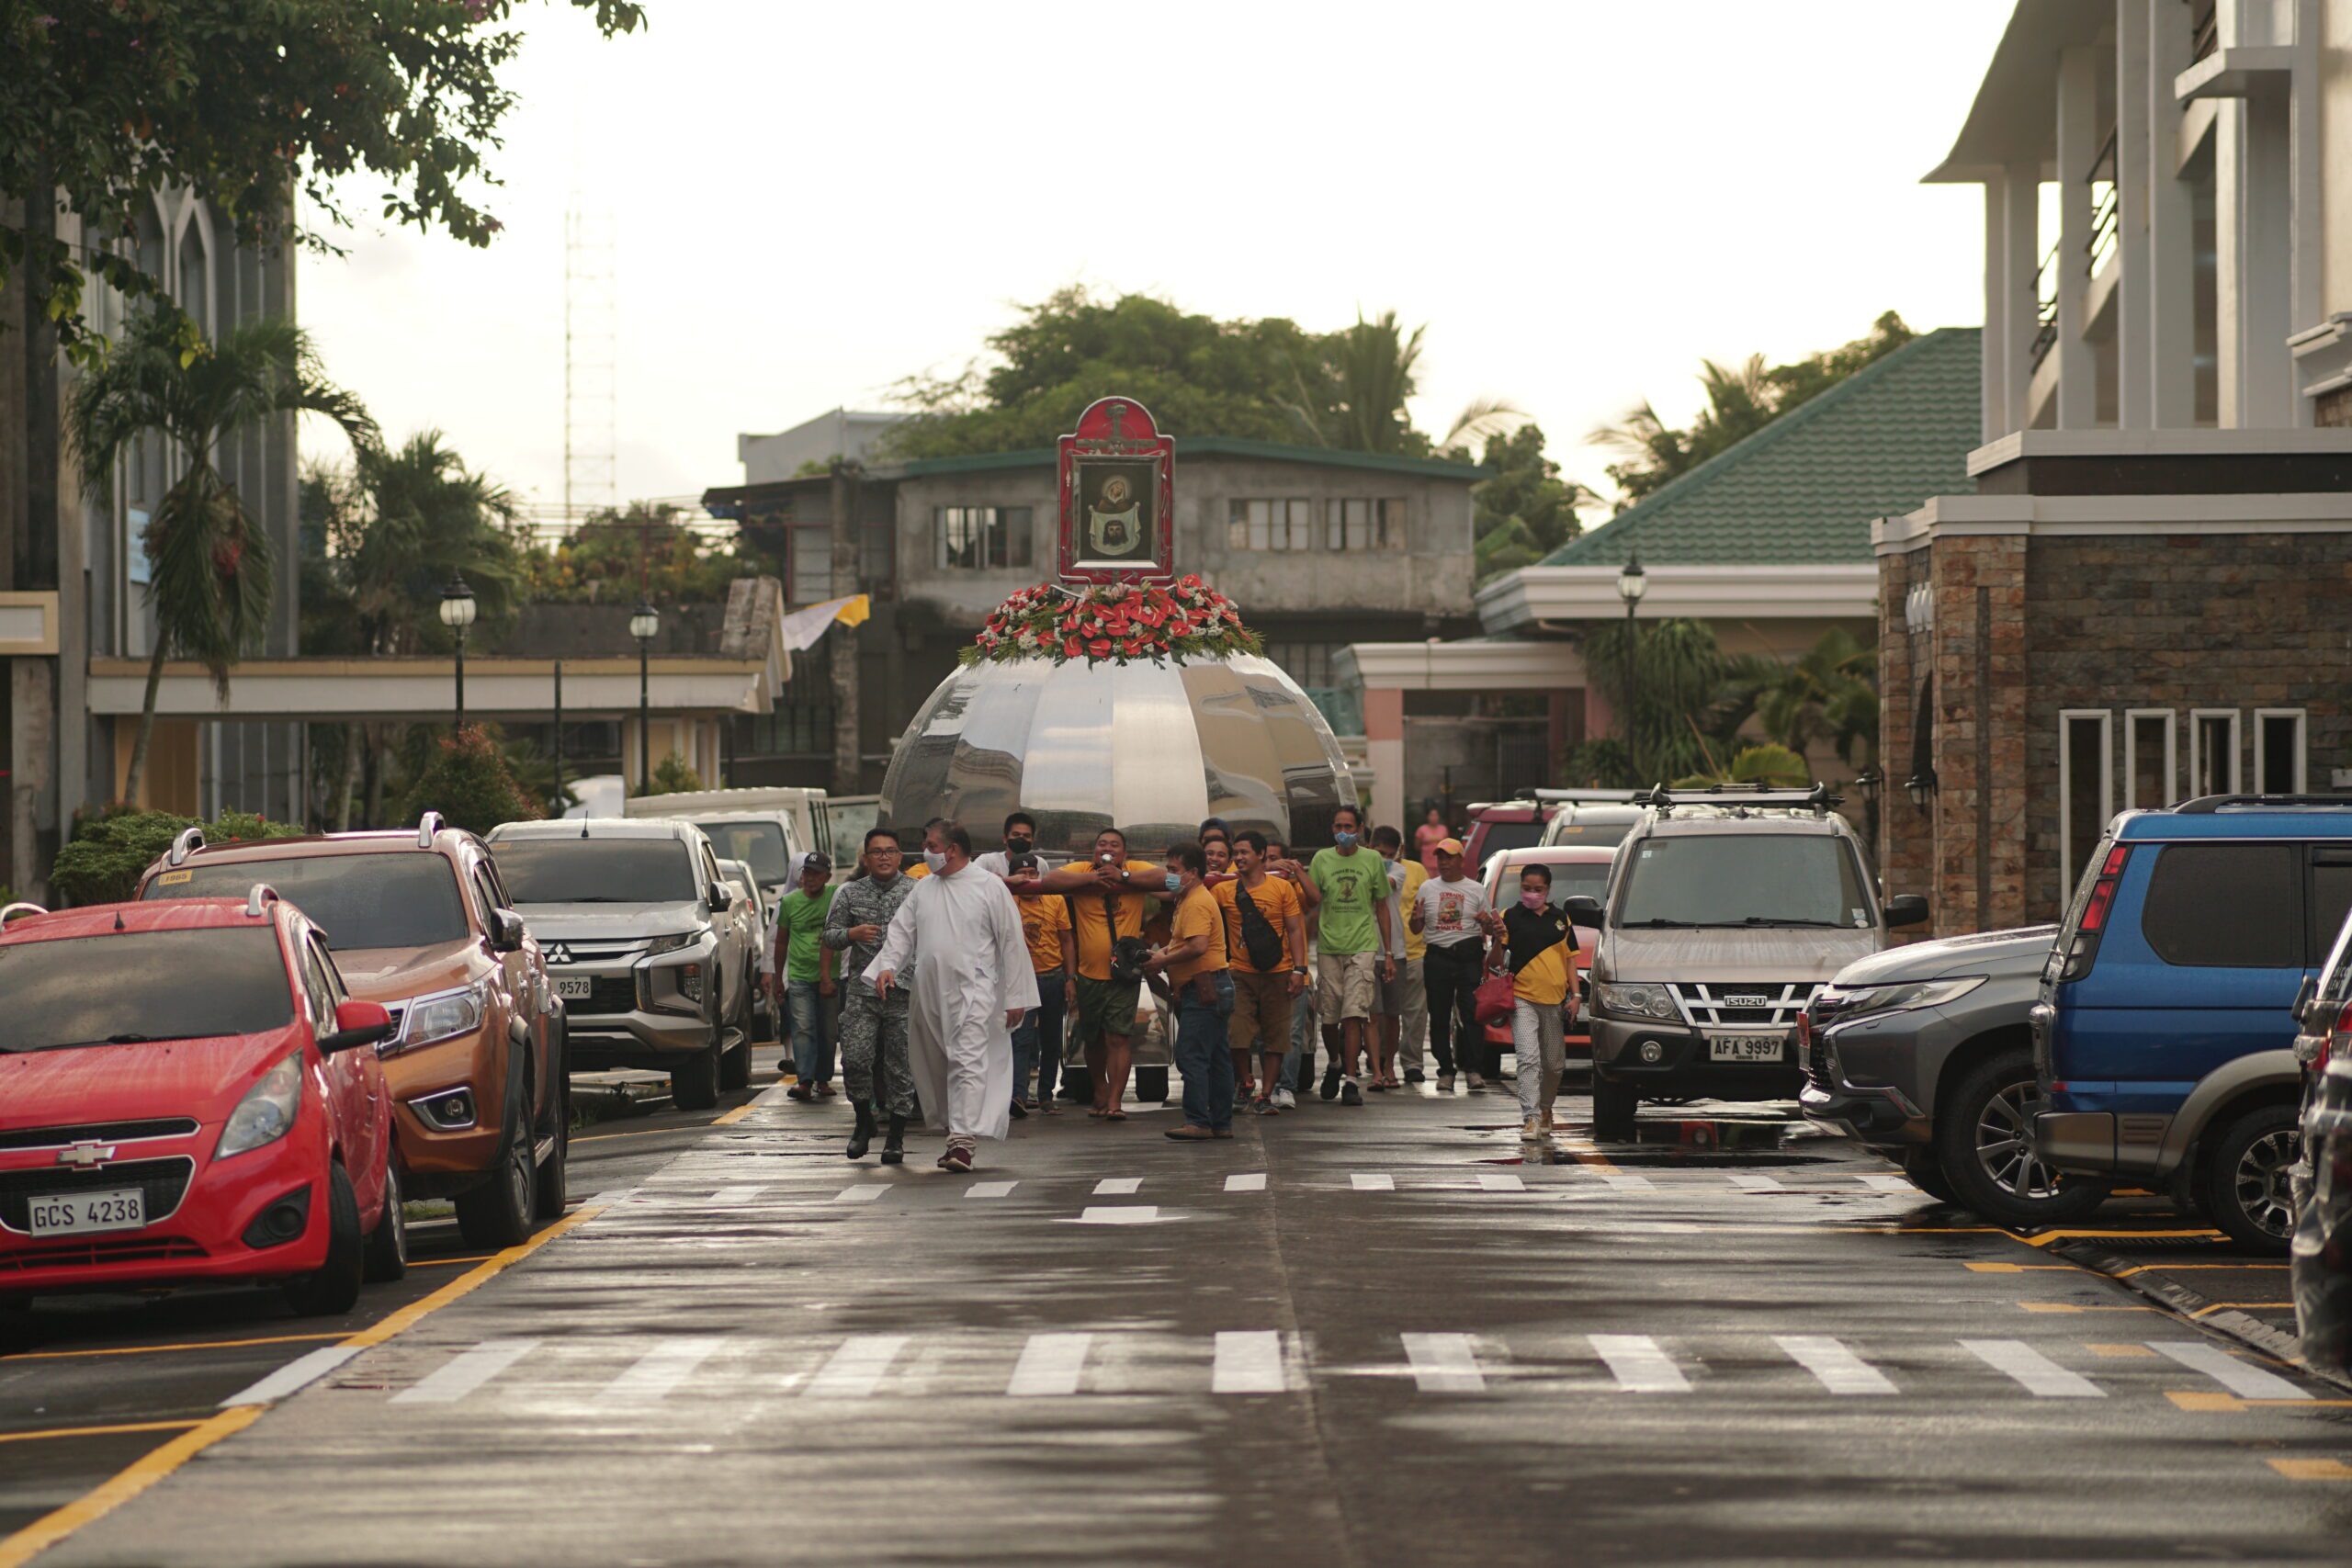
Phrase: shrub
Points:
(469, 783)
(103, 863)
(673, 775)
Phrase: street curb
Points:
(2251, 1332)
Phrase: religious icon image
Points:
(1116, 520)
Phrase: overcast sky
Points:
(1580, 199)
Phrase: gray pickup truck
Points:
(1924, 1053)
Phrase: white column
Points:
(2079, 139)
(2170, 297)
(2308, 238)
(2134, 402)
(2253, 222)
(2021, 259)
(1997, 311)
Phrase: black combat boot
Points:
(863, 1133)
(894, 1145)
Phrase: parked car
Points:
(187, 1097)
(1596, 817)
(1496, 826)
(633, 916)
(1726, 908)
(759, 917)
(2164, 1027)
(1924, 1054)
(1578, 871)
(800, 813)
(419, 921)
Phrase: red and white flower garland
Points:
(1186, 619)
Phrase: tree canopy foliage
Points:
(245, 102)
(1741, 401)
(645, 549)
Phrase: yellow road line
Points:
(142, 1473)
(139, 1475)
(2312, 1469)
(645, 1132)
(2070, 1306)
(159, 1349)
(448, 1262)
(2046, 1237)
(2245, 1306)
(2122, 1350)
(729, 1118)
(2176, 1268)
(2026, 1269)
(1587, 1155)
(2216, 1401)
(98, 1431)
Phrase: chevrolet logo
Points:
(86, 1155)
(556, 952)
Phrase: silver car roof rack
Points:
(190, 840)
(262, 895)
(21, 906)
(426, 826)
(1816, 798)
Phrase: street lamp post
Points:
(1632, 583)
(645, 625)
(458, 611)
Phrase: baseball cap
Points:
(1449, 846)
(814, 860)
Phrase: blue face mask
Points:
(1175, 880)
(1345, 841)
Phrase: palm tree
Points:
(210, 568)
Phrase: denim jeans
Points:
(1299, 1065)
(1037, 1043)
(812, 1049)
(1203, 1053)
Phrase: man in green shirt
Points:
(1352, 943)
(805, 964)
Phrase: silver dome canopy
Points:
(1149, 748)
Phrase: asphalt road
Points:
(1368, 1335)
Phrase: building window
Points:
(808, 574)
(2214, 752)
(1269, 526)
(2086, 788)
(1365, 525)
(982, 538)
(2149, 769)
(2279, 751)
(1308, 663)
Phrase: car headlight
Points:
(1635, 998)
(1869, 1000)
(437, 1018)
(267, 1113)
(673, 943)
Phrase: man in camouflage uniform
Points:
(873, 1028)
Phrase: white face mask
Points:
(936, 859)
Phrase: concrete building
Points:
(2145, 594)
(842, 433)
(1321, 548)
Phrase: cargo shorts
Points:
(1345, 983)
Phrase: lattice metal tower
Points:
(590, 368)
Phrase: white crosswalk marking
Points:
(1248, 1361)
(1247, 1181)
(1839, 1369)
(2035, 1373)
(466, 1371)
(1500, 1181)
(1443, 1363)
(1884, 1183)
(1363, 1183)
(1050, 1364)
(861, 1194)
(1119, 1215)
(853, 1370)
(731, 1195)
(1638, 1365)
(1114, 1186)
(989, 1188)
(294, 1376)
(1752, 1181)
(1626, 1181)
(2245, 1382)
(663, 1368)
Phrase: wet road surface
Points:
(1370, 1336)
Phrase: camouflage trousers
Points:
(872, 1036)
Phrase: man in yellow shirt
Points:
(1540, 946)
(1262, 997)
(1197, 968)
(1107, 895)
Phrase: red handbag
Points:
(1495, 997)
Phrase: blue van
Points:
(2164, 1032)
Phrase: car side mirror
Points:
(506, 930)
(356, 1024)
(1585, 910)
(722, 897)
(1906, 910)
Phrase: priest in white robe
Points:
(956, 945)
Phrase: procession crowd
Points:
(957, 985)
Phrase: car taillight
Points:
(2084, 949)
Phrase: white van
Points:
(766, 829)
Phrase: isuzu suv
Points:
(635, 920)
(1725, 911)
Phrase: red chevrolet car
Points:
(188, 1096)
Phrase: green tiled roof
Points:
(1217, 446)
(1803, 488)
